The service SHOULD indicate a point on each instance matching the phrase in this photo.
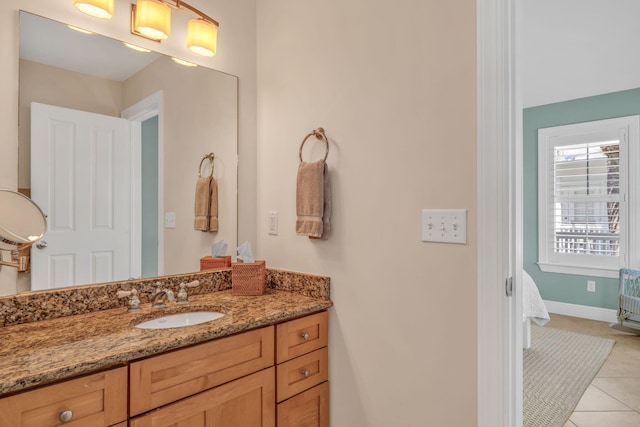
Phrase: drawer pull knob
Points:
(306, 373)
(66, 416)
(305, 336)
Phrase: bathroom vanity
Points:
(263, 364)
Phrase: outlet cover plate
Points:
(170, 220)
(444, 225)
(273, 223)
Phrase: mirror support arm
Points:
(19, 258)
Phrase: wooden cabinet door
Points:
(94, 400)
(307, 409)
(172, 376)
(245, 402)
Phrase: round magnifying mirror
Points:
(21, 220)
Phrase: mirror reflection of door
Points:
(84, 159)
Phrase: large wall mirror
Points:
(118, 209)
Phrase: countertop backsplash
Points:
(55, 303)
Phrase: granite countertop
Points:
(47, 351)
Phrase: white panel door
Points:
(80, 178)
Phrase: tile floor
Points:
(613, 398)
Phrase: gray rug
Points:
(558, 368)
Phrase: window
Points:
(586, 195)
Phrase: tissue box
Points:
(209, 262)
(248, 278)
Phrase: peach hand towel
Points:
(313, 200)
(213, 207)
(202, 204)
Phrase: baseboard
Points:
(583, 311)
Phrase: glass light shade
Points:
(202, 37)
(153, 19)
(98, 8)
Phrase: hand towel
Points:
(202, 204)
(326, 214)
(213, 206)
(313, 200)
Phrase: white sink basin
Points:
(180, 320)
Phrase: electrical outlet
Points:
(591, 285)
(273, 223)
(170, 220)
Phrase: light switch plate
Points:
(444, 225)
(170, 220)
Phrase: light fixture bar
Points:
(178, 4)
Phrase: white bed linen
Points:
(533, 308)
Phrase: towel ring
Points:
(211, 157)
(319, 134)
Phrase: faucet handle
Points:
(134, 301)
(183, 298)
(193, 284)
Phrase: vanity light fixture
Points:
(152, 19)
(98, 8)
(202, 37)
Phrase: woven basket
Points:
(248, 278)
(209, 263)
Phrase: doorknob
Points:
(41, 244)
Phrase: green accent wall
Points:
(149, 152)
(566, 288)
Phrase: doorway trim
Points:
(136, 114)
(499, 176)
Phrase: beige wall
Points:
(200, 116)
(236, 55)
(393, 84)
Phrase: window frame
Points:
(627, 131)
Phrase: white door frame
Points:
(499, 213)
(136, 114)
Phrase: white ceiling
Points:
(52, 43)
(577, 48)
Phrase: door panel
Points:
(80, 177)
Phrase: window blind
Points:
(586, 198)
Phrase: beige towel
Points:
(202, 204)
(326, 215)
(213, 206)
(313, 200)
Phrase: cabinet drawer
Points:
(172, 376)
(94, 400)
(301, 373)
(309, 409)
(300, 336)
(245, 402)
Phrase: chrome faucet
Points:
(159, 296)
